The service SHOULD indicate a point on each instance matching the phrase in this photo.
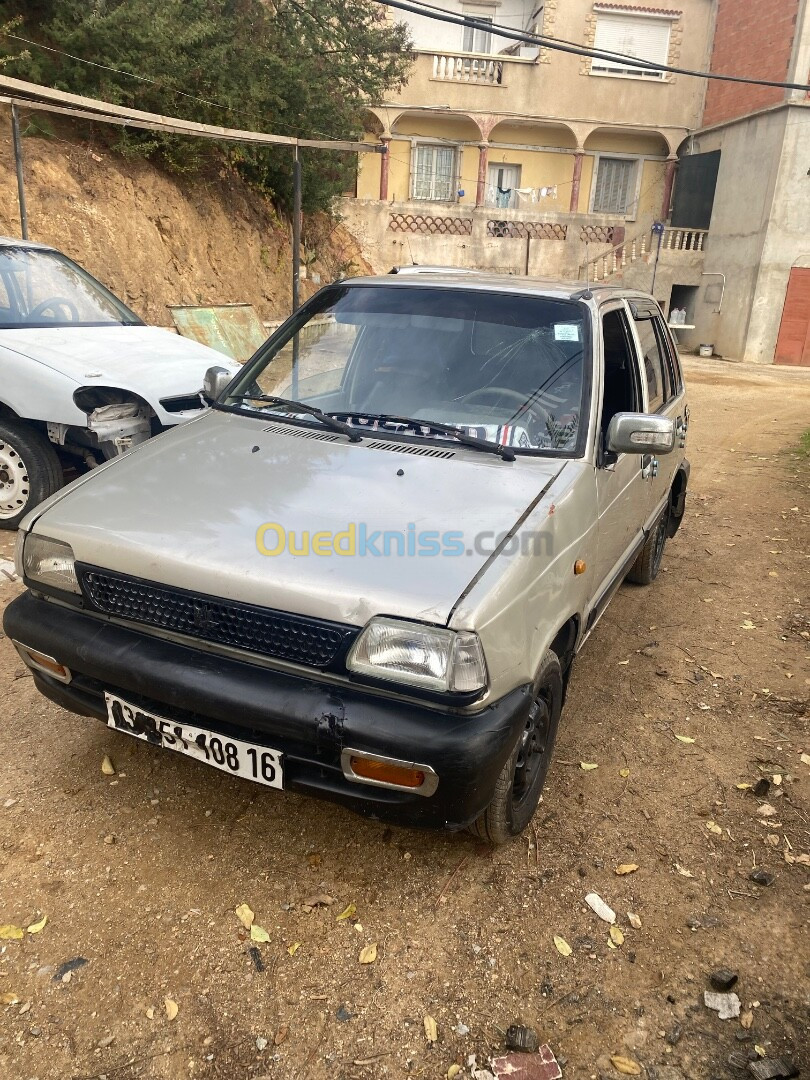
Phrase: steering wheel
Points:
(501, 392)
(54, 303)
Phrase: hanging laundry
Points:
(504, 197)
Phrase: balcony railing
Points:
(465, 67)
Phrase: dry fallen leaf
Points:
(431, 1031)
(747, 625)
(562, 946)
(684, 738)
(453, 1071)
(107, 766)
(588, 766)
(281, 1034)
(616, 936)
(743, 787)
(9, 999)
(258, 933)
(747, 1019)
(760, 1050)
(346, 913)
(805, 759)
(683, 871)
(713, 827)
(150, 1013)
(368, 954)
(171, 1008)
(293, 949)
(624, 773)
(35, 927)
(626, 868)
(766, 810)
(245, 916)
(625, 1065)
(10, 932)
(634, 920)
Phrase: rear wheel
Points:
(520, 784)
(29, 472)
(645, 568)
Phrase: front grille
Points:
(278, 634)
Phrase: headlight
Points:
(426, 656)
(49, 562)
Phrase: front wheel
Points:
(29, 472)
(518, 789)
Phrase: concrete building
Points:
(754, 298)
(524, 160)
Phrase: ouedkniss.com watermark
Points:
(357, 540)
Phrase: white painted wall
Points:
(430, 35)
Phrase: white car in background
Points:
(82, 378)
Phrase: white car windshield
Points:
(502, 367)
(45, 288)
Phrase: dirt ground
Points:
(140, 873)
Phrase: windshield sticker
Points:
(566, 331)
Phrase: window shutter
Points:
(631, 35)
(613, 185)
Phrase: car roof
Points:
(11, 241)
(453, 278)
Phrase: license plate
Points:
(250, 761)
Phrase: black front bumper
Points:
(310, 722)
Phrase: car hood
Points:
(150, 361)
(184, 509)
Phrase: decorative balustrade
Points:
(430, 225)
(610, 262)
(683, 239)
(469, 68)
(527, 230)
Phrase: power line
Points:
(560, 45)
(156, 82)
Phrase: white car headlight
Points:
(430, 657)
(49, 562)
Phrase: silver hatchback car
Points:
(365, 573)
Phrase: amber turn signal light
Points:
(580, 566)
(384, 773)
(43, 662)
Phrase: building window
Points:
(502, 184)
(434, 173)
(474, 40)
(643, 36)
(615, 188)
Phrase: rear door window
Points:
(656, 364)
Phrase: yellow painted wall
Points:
(533, 135)
(538, 169)
(619, 142)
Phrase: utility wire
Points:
(159, 82)
(560, 45)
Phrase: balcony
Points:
(457, 69)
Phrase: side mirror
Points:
(640, 433)
(215, 381)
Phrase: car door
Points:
(620, 485)
(663, 386)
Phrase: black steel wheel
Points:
(645, 568)
(520, 784)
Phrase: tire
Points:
(645, 568)
(29, 472)
(520, 784)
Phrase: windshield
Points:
(501, 367)
(44, 288)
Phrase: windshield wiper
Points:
(310, 410)
(505, 452)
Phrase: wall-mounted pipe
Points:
(723, 291)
